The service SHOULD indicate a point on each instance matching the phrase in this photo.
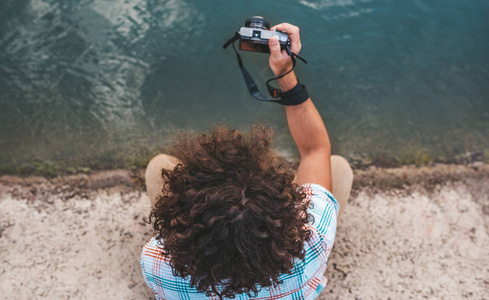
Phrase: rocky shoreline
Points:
(407, 233)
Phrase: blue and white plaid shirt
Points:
(306, 280)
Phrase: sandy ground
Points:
(407, 233)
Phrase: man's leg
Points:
(152, 177)
(342, 176)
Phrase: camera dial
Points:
(257, 22)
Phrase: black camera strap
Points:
(293, 97)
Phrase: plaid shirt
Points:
(306, 280)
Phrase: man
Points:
(231, 221)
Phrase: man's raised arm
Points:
(305, 123)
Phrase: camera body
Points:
(255, 35)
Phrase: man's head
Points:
(230, 217)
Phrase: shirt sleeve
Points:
(145, 272)
(324, 208)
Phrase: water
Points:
(104, 84)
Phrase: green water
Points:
(104, 84)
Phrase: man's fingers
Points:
(274, 46)
(293, 33)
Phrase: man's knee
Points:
(342, 176)
(153, 176)
(156, 164)
(340, 165)
(162, 161)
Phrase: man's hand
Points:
(280, 62)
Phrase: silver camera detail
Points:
(262, 36)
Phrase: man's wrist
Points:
(287, 82)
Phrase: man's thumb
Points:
(274, 45)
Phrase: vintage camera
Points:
(255, 35)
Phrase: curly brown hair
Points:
(230, 215)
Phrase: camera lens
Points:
(257, 22)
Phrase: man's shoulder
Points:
(153, 250)
(324, 211)
(316, 192)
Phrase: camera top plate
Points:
(261, 35)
